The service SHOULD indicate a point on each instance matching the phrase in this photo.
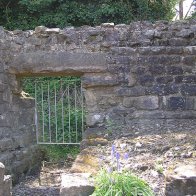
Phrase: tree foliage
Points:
(27, 14)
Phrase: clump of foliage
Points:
(56, 153)
(120, 184)
(25, 14)
(116, 181)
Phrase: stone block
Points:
(164, 79)
(94, 119)
(124, 60)
(4, 107)
(2, 173)
(185, 33)
(174, 70)
(162, 89)
(133, 91)
(7, 186)
(40, 29)
(174, 50)
(99, 80)
(93, 142)
(76, 184)
(147, 103)
(86, 161)
(6, 144)
(5, 132)
(131, 80)
(58, 62)
(189, 79)
(188, 89)
(90, 97)
(157, 69)
(142, 103)
(190, 50)
(128, 102)
(181, 181)
(6, 120)
(178, 79)
(146, 80)
(159, 60)
(24, 102)
(26, 117)
(177, 42)
(106, 101)
(189, 60)
(175, 103)
(150, 50)
(139, 70)
(5, 182)
(97, 132)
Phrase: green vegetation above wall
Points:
(27, 14)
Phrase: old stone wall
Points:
(137, 78)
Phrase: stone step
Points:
(76, 184)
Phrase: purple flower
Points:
(109, 170)
(126, 156)
(117, 156)
(113, 151)
(118, 161)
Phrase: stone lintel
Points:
(57, 63)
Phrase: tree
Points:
(181, 10)
(26, 14)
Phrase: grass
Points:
(56, 153)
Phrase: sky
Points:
(186, 5)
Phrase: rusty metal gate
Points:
(59, 111)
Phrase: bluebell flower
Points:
(118, 161)
(117, 155)
(113, 152)
(126, 156)
(109, 169)
(113, 149)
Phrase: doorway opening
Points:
(59, 108)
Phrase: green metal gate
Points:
(59, 111)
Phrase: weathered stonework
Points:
(141, 77)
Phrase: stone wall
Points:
(5, 182)
(137, 78)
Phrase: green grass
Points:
(56, 153)
(120, 184)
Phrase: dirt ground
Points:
(149, 157)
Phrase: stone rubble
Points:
(5, 182)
